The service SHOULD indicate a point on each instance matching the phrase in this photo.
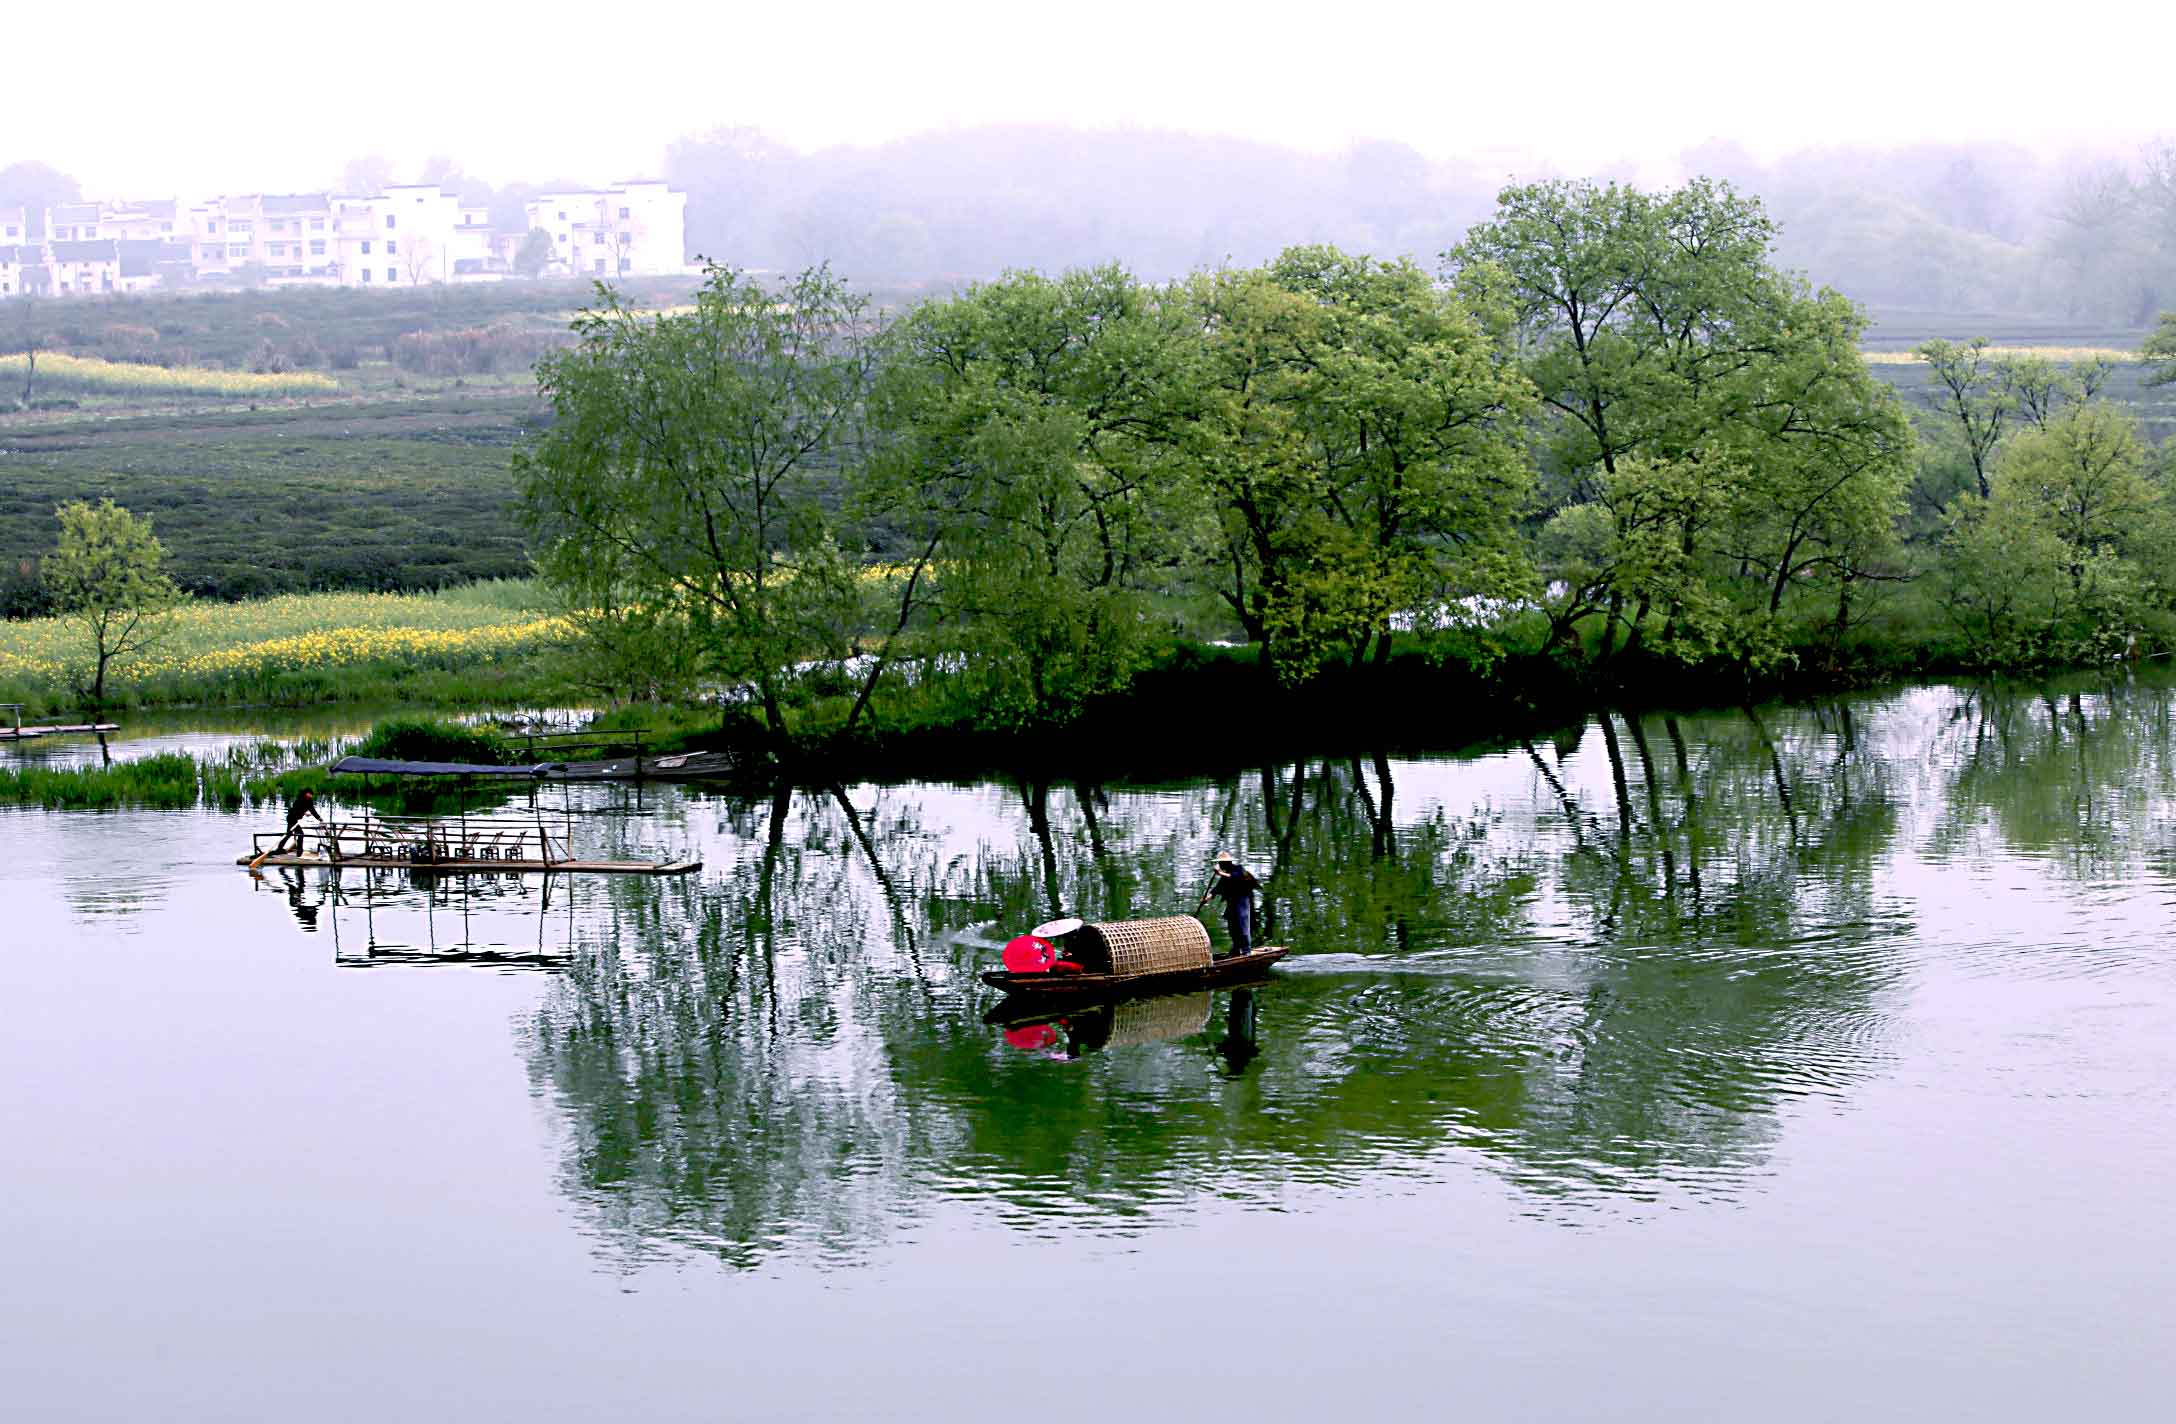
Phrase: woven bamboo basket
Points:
(1151, 946)
(1158, 1020)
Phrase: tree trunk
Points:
(1639, 627)
(1609, 625)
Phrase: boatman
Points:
(1235, 885)
(303, 805)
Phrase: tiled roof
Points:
(106, 250)
(140, 257)
(297, 203)
(17, 256)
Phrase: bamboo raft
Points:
(464, 845)
(1124, 958)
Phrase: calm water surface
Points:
(1799, 1064)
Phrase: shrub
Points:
(418, 739)
(474, 351)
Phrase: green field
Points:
(388, 495)
(295, 329)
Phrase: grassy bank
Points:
(1200, 710)
(482, 644)
(1203, 707)
(271, 773)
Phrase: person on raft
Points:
(303, 805)
(1235, 885)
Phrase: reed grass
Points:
(168, 781)
(415, 739)
(272, 773)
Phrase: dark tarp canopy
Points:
(357, 765)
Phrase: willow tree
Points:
(678, 491)
(1710, 440)
(1028, 454)
(1358, 427)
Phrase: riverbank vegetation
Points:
(1603, 443)
(272, 771)
(1606, 442)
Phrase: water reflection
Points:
(385, 917)
(1090, 1028)
(1599, 968)
(1602, 966)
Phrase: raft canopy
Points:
(1128, 947)
(357, 765)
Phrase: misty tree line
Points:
(1607, 426)
(1966, 228)
(1981, 228)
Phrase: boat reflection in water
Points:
(1075, 1030)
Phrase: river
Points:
(1794, 1063)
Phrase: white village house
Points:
(408, 235)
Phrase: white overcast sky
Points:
(245, 96)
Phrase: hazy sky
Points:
(257, 96)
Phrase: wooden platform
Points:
(24, 734)
(470, 867)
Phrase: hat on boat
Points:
(1224, 862)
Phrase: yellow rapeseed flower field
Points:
(2115, 355)
(303, 632)
(89, 374)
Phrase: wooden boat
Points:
(1122, 958)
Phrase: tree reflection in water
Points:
(1600, 967)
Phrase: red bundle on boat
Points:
(1028, 955)
(1031, 954)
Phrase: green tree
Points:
(1710, 440)
(1998, 580)
(535, 254)
(1359, 428)
(107, 576)
(1820, 454)
(680, 476)
(2083, 475)
(1030, 456)
(2064, 560)
(2160, 352)
(1983, 394)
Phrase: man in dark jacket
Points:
(303, 805)
(1235, 886)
